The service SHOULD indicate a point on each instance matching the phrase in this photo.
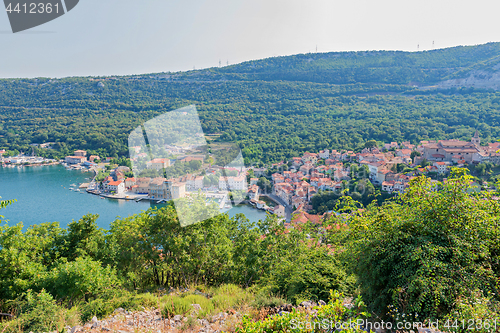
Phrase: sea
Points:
(43, 194)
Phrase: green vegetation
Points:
(426, 255)
(430, 253)
(391, 67)
(359, 188)
(274, 108)
(84, 271)
(324, 321)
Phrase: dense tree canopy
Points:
(270, 108)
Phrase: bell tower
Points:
(476, 140)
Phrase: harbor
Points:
(43, 194)
(117, 187)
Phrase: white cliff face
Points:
(476, 79)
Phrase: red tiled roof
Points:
(159, 160)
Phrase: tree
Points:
(371, 144)
(264, 184)
(85, 239)
(481, 169)
(413, 154)
(424, 163)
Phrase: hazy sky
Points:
(109, 37)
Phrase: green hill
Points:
(274, 108)
(389, 67)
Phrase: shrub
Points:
(113, 299)
(83, 278)
(143, 300)
(300, 321)
(207, 307)
(98, 307)
(264, 299)
(423, 254)
(230, 296)
(173, 306)
(39, 312)
(307, 274)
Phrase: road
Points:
(288, 208)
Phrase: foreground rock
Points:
(151, 321)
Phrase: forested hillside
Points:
(274, 108)
(390, 67)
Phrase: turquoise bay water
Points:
(43, 195)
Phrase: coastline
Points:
(28, 165)
(124, 196)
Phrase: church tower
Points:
(476, 140)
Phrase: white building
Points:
(75, 159)
(324, 154)
(129, 182)
(158, 163)
(279, 210)
(253, 192)
(115, 186)
(198, 182)
(441, 166)
(233, 183)
(399, 187)
(388, 186)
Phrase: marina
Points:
(44, 194)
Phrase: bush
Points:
(207, 307)
(98, 307)
(230, 296)
(80, 279)
(143, 300)
(265, 299)
(113, 299)
(173, 306)
(307, 274)
(425, 253)
(225, 297)
(39, 312)
(269, 301)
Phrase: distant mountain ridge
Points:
(378, 67)
(275, 108)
